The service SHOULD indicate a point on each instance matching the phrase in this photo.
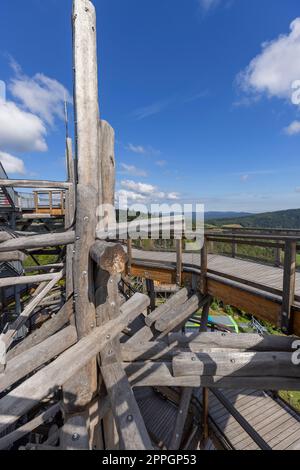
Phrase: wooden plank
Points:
(179, 250)
(245, 341)
(74, 434)
(157, 374)
(174, 301)
(37, 356)
(27, 395)
(27, 280)
(129, 421)
(181, 417)
(235, 364)
(172, 319)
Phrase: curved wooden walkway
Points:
(254, 272)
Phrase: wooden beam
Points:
(110, 257)
(88, 187)
(26, 280)
(12, 256)
(184, 405)
(38, 241)
(179, 250)
(289, 283)
(37, 356)
(48, 380)
(158, 374)
(128, 418)
(9, 183)
(174, 301)
(74, 434)
(178, 316)
(237, 364)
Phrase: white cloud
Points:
(132, 170)
(147, 191)
(293, 128)
(11, 164)
(208, 4)
(136, 148)
(20, 130)
(140, 187)
(275, 69)
(161, 163)
(151, 110)
(39, 94)
(123, 195)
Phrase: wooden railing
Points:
(289, 244)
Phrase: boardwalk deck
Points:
(266, 276)
(276, 424)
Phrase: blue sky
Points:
(198, 92)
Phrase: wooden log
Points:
(173, 319)
(110, 257)
(9, 183)
(38, 241)
(45, 417)
(179, 250)
(74, 434)
(89, 184)
(129, 254)
(205, 315)
(181, 417)
(70, 216)
(37, 356)
(289, 284)
(128, 418)
(246, 341)
(157, 374)
(4, 236)
(48, 380)
(235, 364)
(47, 267)
(26, 280)
(167, 288)
(107, 168)
(178, 299)
(12, 256)
(8, 337)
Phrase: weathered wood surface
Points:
(172, 319)
(175, 300)
(129, 422)
(245, 341)
(7, 337)
(37, 356)
(247, 364)
(38, 241)
(110, 257)
(289, 282)
(27, 395)
(74, 434)
(89, 184)
(22, 431)
(158, 374)
(183, 409)
(23, 280)
(12, 256)
(7, 183)
(107, 168)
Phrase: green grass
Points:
(292, 398)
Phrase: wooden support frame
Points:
(289, 282)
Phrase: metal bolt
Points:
(108, 337)
(75, 436)
(130, 418)
(193, 358)
(113, 304)
(110, 353)
(84, 273)
(232, 361)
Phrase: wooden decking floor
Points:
(275, 423)
(265, 275)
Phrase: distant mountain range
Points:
(280, 219)
(224, 215)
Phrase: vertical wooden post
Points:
(234, 248)
(204, 267)
(184, 405)
(129, 254)
(205, 315)
(205, 403)
(151, 293)
(69, 216)
(36, 201)
(83, 387)
(289, 281)
(277, 255)
(50, 195)
(179, 262)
